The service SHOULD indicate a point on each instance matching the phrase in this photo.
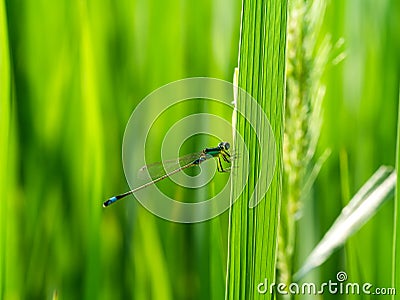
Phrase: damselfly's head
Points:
(224, 145)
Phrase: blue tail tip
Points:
(109, 201)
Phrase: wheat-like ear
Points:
(306, 62)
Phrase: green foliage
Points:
(71, 72)
(354, 123)
(80, 69)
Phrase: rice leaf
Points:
(360, 209)
(253, 229)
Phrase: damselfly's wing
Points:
(158, 169)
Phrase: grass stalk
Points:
(396, 229)
(253, 231)
(8, 284)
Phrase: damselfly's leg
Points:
(226, 157)
(220, 168)
(226, 154)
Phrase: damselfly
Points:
(187, 161)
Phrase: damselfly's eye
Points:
(224, 145)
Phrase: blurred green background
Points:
(71, 74)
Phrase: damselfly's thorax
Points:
(221, 148)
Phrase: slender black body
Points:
(221, 151)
